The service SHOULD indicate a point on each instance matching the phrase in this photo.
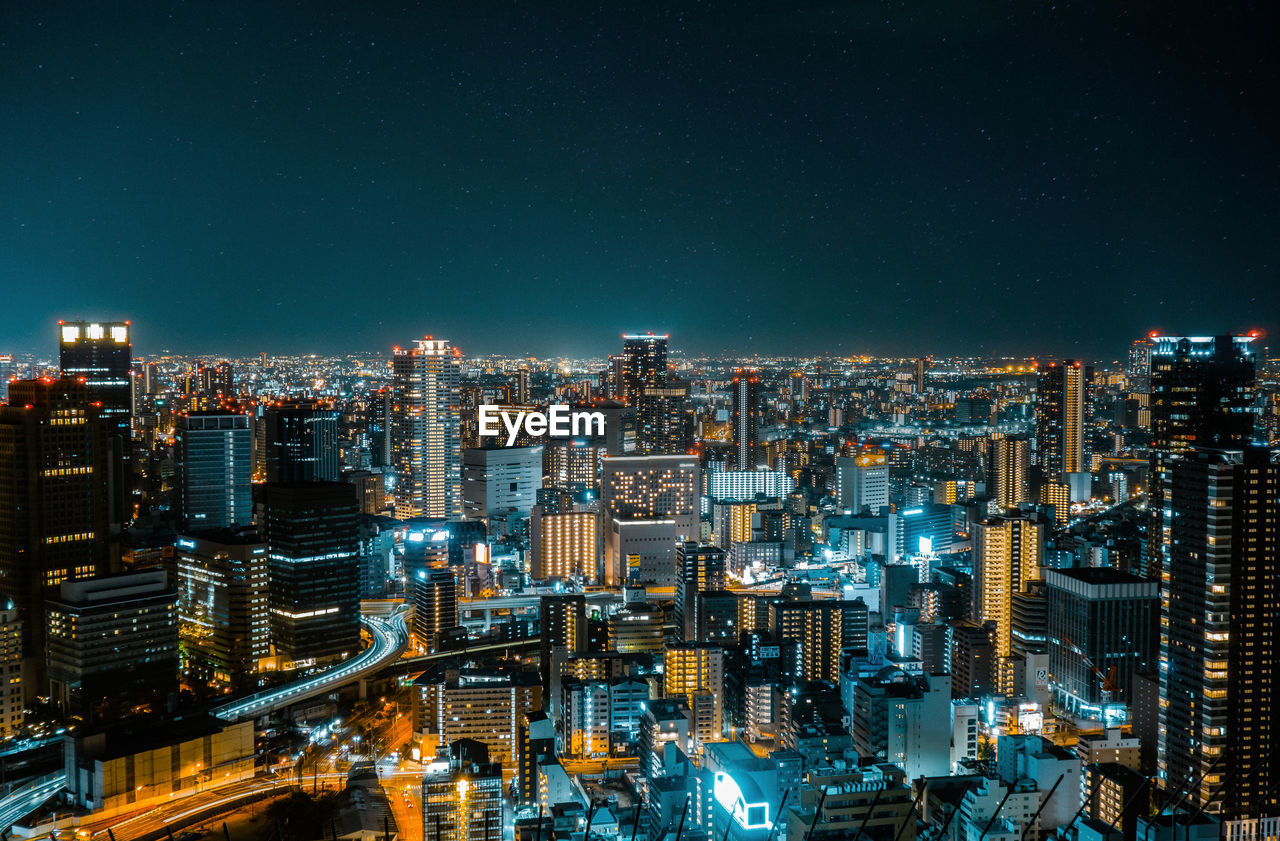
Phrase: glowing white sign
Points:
(748, 815)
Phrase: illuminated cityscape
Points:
(636, 422)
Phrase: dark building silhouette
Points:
(302, 442)
(746, 418)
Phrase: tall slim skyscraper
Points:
(213, 461)
(426, 434)
(1202, 395)
(644, 364)
(746, 418)
(921, 373)
(1009, 460)
(1007, 554)
(302, 442)
(313, 542)
(102, 354)
(1064, 407)
(1138, 367)
(54, 497)
(658, 397)
(700, 568)
(1220, 636)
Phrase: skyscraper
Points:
(700, 568)
(1138, 366)
(312, 534)
(500, 481)
(649, 503)
(426, 435)
(658, 397)
(1220, 634)
(102, 354)
(746, 418)
(862, 482)
(434, 595)
(213, 462)
(1064, 407)
(1202, 395)
(1007, 554)
(463, 800)
(302, 442)
(563, 545)
(644, 364)
(1009, 459)
(54, 497)
(223, 614)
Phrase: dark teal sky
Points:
(916, 177)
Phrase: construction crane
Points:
(1107, 681)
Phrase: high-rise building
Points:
(313, 542)
(870, 802)
(434, 593)
(302, 442)
(54, 499)
(649, 503)
(563, 545)
(644, 364)
(821, 631)
(1202, 395)
(1064, 408)
(636, 627)
(562, 624)
(657, 397)
(1102, 627)
(462, 795)
(700, 568)
(486, 705)
(101, 353)
(1008, 552)
(1220, 633)
(1009, 460)
(921, 373)
(690, 670)
(112, 644)
(7, 372)
(426, 435)
(12, 703)
(213, 462)
(1138, 366)
(746, 418)
(500, 481)
(862, 482)
(905, 720)
(223, 613)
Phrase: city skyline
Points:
(797, 181)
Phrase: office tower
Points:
(101, 353)
(112, 644)
(379, 421)
(820, 631)
(974, 666)
(1219, 634)
(572, 464)
(920, 530)
(371, 490)
(487, 705)
(312, 535)
(1007, 554)
(905, 720)
(223, 613)
(434, 593)
(700, 568)
(922, 373)
(1064, 408)
(212, 463)
(1202, 395)
(499, 482)
(426, 435)
(563, 545)
(746, 419)
(562, 624)
(301, 442)
(1102, 627)
(644, 364)
(718, 618)
(636, 627)
(649, 502)
(462, 801)
(1009, 460)
(7, 372)
(862, 482)
(694, 674)
(11, 690)
(54, 499)
(1138, 367)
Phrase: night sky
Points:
(917, 177)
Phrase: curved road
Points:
(390, 638)
(27, 799)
